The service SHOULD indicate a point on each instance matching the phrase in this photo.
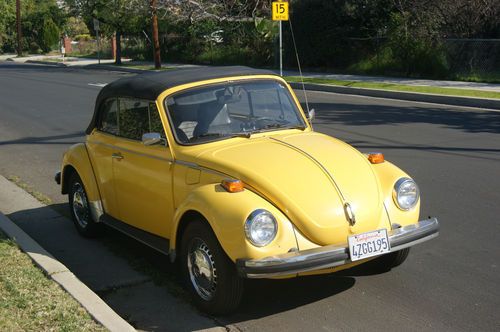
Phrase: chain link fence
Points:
(463, 57)
(473, 56)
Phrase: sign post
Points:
(96, 28)
(280, 13)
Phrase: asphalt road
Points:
(451, 283)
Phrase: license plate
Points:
(368, 244)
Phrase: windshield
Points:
(232, 109)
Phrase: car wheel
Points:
(80, 208)
(389, 261)
(208, 273)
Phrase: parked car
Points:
(220, 169)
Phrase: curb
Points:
(116, 68)
(55, 64)
(410, 96)
(58, 272)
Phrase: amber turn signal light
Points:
(376, 158)
(232, 186)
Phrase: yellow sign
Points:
(280, 11)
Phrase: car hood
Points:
(309, 177)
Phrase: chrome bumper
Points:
(332, 255)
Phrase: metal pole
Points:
(281, 51)
(98, 48)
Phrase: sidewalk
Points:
(404, 81)
(85, 267)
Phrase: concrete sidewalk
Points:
(403, 81)
(85, 267)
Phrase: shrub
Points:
(83, 37)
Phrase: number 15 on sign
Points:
(280, 11)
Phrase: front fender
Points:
(77, 158)
(226, 213)
(388, 174)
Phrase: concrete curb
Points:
(94, 305)
(116, 68)
(39, 62)
(410, 96)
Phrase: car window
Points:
(232, 109)
(109, 117)
(155, 125)
(133, 118)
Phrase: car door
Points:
(100, 146)
(142, 174)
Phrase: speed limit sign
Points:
(280, 11)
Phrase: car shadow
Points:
(267, 297)
(104, 265)
(55, 139)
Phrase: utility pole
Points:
(156, 41)
(18, 25)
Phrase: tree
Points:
(7, 21)
(118, 16)
(50, 35)
(75, 26)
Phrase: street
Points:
(448, 284)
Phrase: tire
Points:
(392, 260)
(221, 293)
(80, 208)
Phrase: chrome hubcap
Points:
(80, 205)
(201, 267)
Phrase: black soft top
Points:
(149, 86)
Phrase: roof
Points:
(150, 85)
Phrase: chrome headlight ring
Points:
(405, 194)
(261, 227)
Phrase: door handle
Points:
(117, 155)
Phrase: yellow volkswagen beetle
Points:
(220, 169)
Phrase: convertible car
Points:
(220, 169)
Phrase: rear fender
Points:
(77, 159)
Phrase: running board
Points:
(154, 241)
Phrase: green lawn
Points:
(400, 87)
(29, 301)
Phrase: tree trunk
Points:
(156, 41)
(118, 60)
(18, 26)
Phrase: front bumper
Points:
(332, 255)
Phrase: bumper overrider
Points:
(332, 255)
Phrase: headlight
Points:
(405, 193)
(261, 228)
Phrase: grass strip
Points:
(400, 87)
(29, 301)
(26, 187)
(144, 67)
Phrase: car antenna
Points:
(298, 64)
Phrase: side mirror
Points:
(311, 115)
(152, 139)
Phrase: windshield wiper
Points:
(279, 125)
(246, 135)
